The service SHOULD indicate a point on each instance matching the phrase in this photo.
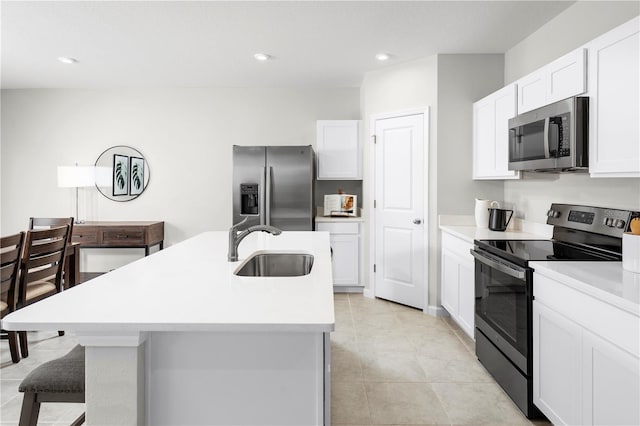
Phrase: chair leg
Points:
(30, 410)
(23, 344)
(12, 336)
(60, 332)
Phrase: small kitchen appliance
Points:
(499, 218)
(504, 288)
(551, 138)
(482, 212)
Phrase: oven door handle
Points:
(509, 270)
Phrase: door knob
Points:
(417, 221)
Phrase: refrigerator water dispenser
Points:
(248, 199)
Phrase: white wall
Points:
(185, 134)
(572, 28)
(448, 84)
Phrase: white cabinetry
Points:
(345, 241)
(338, 150)
(614, 91)
(560, 79)
(458, 288)
(491, 135)
(586, 357)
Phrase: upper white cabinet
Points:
(338, 150)
(560, 79)
(614, 90)
(491, 134)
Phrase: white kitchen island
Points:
(176, 338)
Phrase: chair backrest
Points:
(43, 258)
(50, 222)
(10, 251)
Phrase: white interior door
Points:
(399, 210)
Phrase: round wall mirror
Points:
(122, 173)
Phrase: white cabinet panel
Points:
(565, 77)
(338, 150)
(586, 357)
(531, 91)
(560, 79)
(467, 298)
(450, 283)
(614, 98)
(346, 262)
(491, 135)
(458, 282)
(557, 374)
(345, 259)
(612, 383)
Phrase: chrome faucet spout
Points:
(235, 237)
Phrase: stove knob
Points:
(553, 213)
(608, 222)
(619, 223)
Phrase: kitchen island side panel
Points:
(235, 378)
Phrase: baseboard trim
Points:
(347, 289)
(437, 311)
(368, 293)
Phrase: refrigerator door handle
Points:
(261, 209)
(268, 188)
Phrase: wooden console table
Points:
(101, 234)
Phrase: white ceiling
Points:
(201, 44)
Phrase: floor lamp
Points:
(76, 177)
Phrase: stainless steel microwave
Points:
(552, 138)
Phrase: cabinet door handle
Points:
(417, 221)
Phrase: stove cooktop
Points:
(523, 251)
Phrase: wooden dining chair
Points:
(41, 269)
(10, 251)
(38, 223)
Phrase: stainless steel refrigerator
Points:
(273, 185)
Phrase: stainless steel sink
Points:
(276, 264)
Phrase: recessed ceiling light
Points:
(382, 56)
(67, 60)
(261, 57)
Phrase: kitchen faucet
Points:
(235, 237)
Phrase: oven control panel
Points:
(598, 220)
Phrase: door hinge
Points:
(374, 268)
(373, 137)
(374, 204)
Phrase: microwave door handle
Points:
(546, 138)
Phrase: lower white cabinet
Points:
(345, 241)
(583, 376)
(458, 288)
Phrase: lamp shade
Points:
(104, 176)
(76, 176)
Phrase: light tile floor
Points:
(394, 365)
(391, 365)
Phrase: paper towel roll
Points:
(631, 252)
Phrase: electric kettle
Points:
(498, 220)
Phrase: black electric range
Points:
(504, 288)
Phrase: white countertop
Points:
(190, 286)
(606, 281)
(464, 227)
(321, 218)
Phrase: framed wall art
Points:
(120, 174)
(136, 173)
